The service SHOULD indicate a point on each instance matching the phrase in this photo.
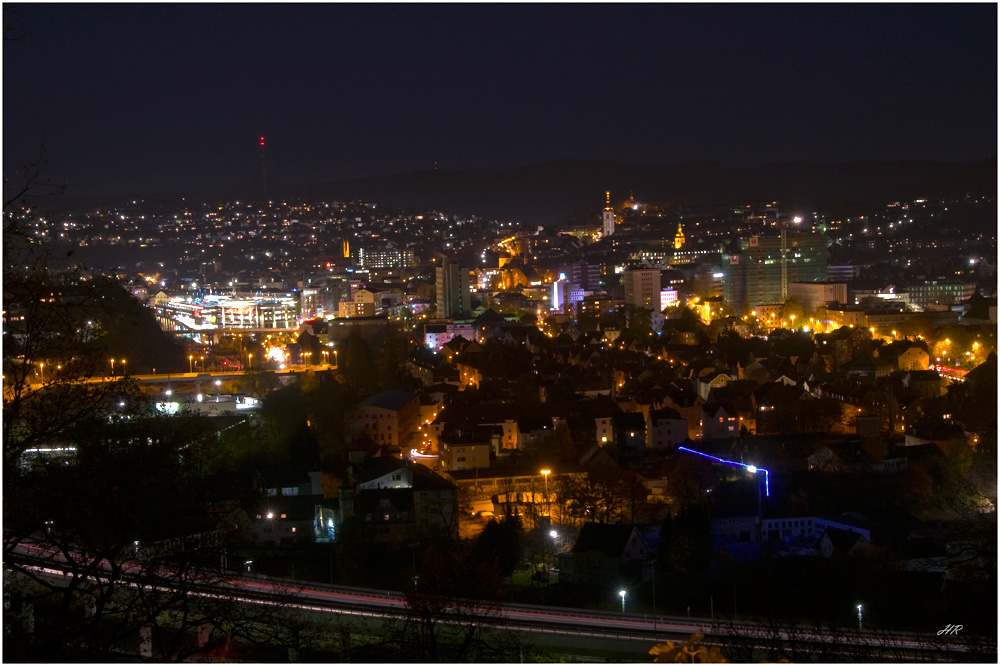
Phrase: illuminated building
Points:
(753, 275)
(217, 311)
(389, 418)
(642, 287)
(811, 295)
(372, 256)
(608, 217)
(932, 293)
(679, 237)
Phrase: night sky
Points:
(136, 99)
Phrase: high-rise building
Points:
(642, 287)
(752, 276)
(585, 274)
(608, 217)
(453, 285)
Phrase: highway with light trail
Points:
(629, 632)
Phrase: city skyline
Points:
(483, 333)
(136, 99)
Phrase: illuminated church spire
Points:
(608, 217)
(679, 238)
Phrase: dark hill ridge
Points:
(556, 191)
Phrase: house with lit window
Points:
(387, 499)
(390, 418)
(666, 429)
(721, 421)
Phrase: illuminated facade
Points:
(608, 217)
(217, 311)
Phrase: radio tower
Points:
(263, 168)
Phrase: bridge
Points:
(198, 378)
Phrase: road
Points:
(619, 632)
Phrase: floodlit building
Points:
(811, 295)
(608, 217)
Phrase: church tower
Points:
(679, 237)
(608, 217)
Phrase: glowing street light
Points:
(859, 617)
(112, 367)
(622, 595)
(191, 363)
(545, 475)
(753, 469)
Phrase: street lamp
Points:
(112, 367)
(123, 367)
(191, 363)
(545, 475)
(41, 373)
(859, 617)
(753, 469)
(622, 595)
(249, 361)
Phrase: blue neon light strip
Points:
(767, 475)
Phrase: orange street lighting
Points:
(190, 363)
(545, 475)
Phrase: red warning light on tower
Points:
(262, 141)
